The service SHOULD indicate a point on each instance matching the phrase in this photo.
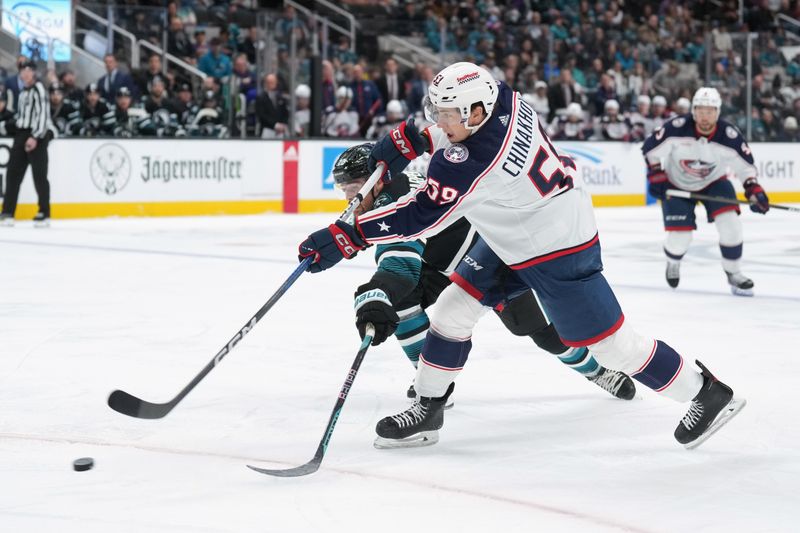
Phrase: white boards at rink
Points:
(171, 177)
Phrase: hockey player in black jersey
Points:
(414, 273)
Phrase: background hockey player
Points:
(698, 153)
(411, 275)
(493, 165)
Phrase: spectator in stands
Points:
(570, 125)
(200, 44)
(682, 106)
(612, 125)
(605, 92)
(342, 51)
(341, 121)
(71, 90)
(154, 70)
(245, 77)
(390, 84)
(539, 101)
(251, 44)
(367, 100)
(271, 109)
(92, 111)
(302, 111)
(563, 93)
(215, 63)
(328, 85)
(113, 79)
(419, 90)
(667, 80)
(178, 42)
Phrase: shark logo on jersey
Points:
(456, 153)
(697, 168)
(504, 120)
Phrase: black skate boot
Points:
(41, 220)
(411, 393)
(6, 219)
(614, 382)
(416, 426)
(673, 273)
(740, 284)
(712, 408)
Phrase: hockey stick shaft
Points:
(314, 464)
(130, 405)
(696, 196)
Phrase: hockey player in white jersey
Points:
(698, 153)
(493, 164)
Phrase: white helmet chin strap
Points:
(475, 128)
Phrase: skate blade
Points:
(423, 438)
(736, 291)
(724, 416)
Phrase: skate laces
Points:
(693, 415)
(609, 380)
(413, 415)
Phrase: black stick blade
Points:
(130, 405)
(304, 470)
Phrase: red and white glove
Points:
(759, 202)
(330, 245)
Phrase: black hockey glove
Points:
(372, 305)
(759, 203)
(398, 148)
(657, 182)
(329, 245)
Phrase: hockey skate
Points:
(411, 394)
(6, 220)
(673, 273)
(416, 426)
(740, 284)
(616, 383)
(41, 221)
(712, 408)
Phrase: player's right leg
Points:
(679, 222)
(584, 309)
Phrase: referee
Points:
(30, 147)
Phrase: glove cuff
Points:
(372, 295)
(402, 143)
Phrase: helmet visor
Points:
(351, 188)
(441, 116)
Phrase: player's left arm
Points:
(744, 167)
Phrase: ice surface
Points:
(143, 304)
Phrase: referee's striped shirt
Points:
(33, 110)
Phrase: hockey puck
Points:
(82, 464)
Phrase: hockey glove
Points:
(329, 245)
(373, 306)
(759, 203)
(657, 182)
(397, 149)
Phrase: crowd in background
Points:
(604, 70)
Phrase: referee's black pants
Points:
(18, 164)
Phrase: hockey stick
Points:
(313, 465)
(695, 196)
(130, 405)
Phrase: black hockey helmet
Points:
(352, 164)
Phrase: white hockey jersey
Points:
(692, 162)
(506, 179)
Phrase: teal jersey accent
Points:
(401, 259)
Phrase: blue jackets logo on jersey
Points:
(456, 153)
(697, 168)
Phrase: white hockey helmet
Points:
(683, 105)
(659, 100)
(343, 93)
(707, 96)
(458, 87)
(574, 110)
(643, 99)
(302, 91)
(611, 104)
(394, 107)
